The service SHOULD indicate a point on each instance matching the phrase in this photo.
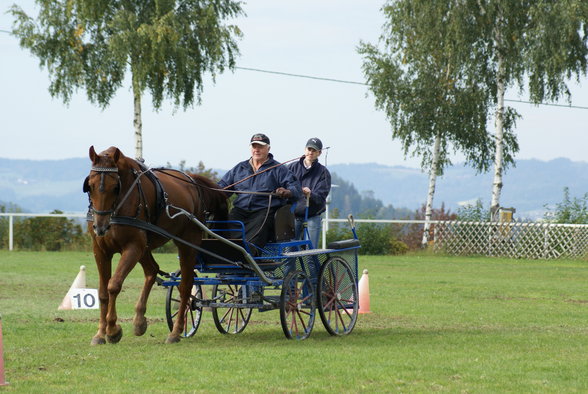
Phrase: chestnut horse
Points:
(121, 188)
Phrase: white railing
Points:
(508, 239)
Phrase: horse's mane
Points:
(215, 200)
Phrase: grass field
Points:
(437, 324)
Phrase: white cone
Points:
(78, 283)
(364, 293)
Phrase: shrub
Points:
(49, 233)
(379, 239)
(474, 213)
(412, 236)
(570, 210)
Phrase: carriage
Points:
(287, 274)
(134, 210)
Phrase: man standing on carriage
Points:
(316, 185)
(262, 185)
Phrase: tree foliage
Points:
(200, 169)
(167, 45)
(424, 81)
(445, 65)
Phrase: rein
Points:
(193, 182)
(261, 172)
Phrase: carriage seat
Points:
(284, 220)
(283, 227)
(220, 248)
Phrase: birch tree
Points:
(446, 65)
(166, 45)
(531, 45)
(423, 80)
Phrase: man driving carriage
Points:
(262, 186)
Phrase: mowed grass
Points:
(436, 324)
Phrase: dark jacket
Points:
(265, 182)
(318, 179)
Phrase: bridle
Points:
(116, 206)
(102, 171)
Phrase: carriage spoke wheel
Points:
(193, 314)
(231, 319)
(338, 299)
(297, 305)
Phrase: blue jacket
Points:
(265, 182)
(318, 179)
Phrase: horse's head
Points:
(103, 187)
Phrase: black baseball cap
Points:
(314, 143)
(260, 139)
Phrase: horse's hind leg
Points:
(187, 260)
(150, 268)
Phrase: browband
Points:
(105, 169)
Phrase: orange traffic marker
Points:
(364, 293)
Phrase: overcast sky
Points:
(316, 38)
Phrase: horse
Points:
(129, 215)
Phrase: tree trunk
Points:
(499, 138)
(430, 196)
(137, 121)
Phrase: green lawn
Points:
(436, 324)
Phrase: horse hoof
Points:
(140, 329)
(98, 341)
(116, 337)
(172, 339)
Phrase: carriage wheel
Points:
(297, 305)
(192, 313)
(230, 320)
(338, 299)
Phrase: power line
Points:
(301, 76)
(365, 84)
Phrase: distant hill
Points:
(42, 186)
(528, 187)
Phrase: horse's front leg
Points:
(103, 264)
(150, 268)
(127, 262)
(187, 260)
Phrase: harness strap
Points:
(134, 222)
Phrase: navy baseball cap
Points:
(260, 139)
(314, 143)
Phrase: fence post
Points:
(546, 243)
(10, 232)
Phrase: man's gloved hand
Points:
(283, 192)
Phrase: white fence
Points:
(512, 239)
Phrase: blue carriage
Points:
(231, 279)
